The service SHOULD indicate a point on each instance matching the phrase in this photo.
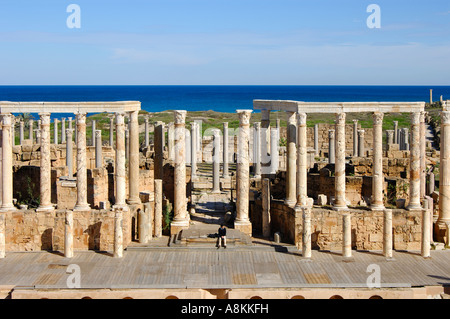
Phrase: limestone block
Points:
(322, 200)
(400, 203)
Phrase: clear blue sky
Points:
(298, 42)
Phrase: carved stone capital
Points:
(244, 116)
(180, 117)
(301, 118)
(378, 118)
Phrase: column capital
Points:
(120, 118)
(415, 118)
(6, 120)
(301, 118)
(361, 132)
(81, 118)
(98, 133)
(291, 118)
(445, 117)
(378, 118)
(180, 116)
(257, 125)
(244, 116)
(355, 121)
(45, 118)
(340, 118)
(330, 133)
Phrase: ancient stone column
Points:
(291, 161)
(180, 220)
(111, 132)
(2, 235)
(82, 203)
(339, 170)
(378, 176)
(159, 149)
(193, 150)
(265, 194)
(69, 152)
(346, 235)
(143, 226)
(68, 234)
(119, 167)
(422, 155)
(331, 147)
(306, 236)
(257, 149)
(118, 232)
(355, 138)
(431, 183)
(31, 129)
(405, 139)
(265, 137)
(396, 137)
(98, 149)
(361, 148)
(45, 168)
(147, 132)
(426, 234)
(389, 137)
(63, 130)
(302, 161)
(1, 166)
(7, 164)
(242, 221)
(187, 141)
(55, 131)
(93, 132)
(133, 164)
(21, 135)
(316, 139)
(414, 172)
(444, 171)
(274, 152)
(171, 140)
(158, 207)
(387, 233)
(225, 150)
(38, 136)
(216, 162)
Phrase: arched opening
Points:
(376, 297)
(256, 297)
(127, 298)
(298, 297)
(171, 297)
(87, 297)
(336, 297)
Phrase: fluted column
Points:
(378, 177)
(119, 168)
(302, 161)
(82, 203)
(414, 173)
(7, 164)
(291, 167)
(339, 173)
(444, 171)
(45, 169)
(180, 220)
(242, 221)
(133, 165)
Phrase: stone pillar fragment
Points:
(355, 138)
(257, 149)
(216, 162)
(45, 168)
(82, 203)
(331, 147)
(242, 221)
(339, 171)
(306, 236)
(346, 235)
(7, 164)
(118, 232)
(111, 132)
(316, 139)
(387, 233)
(414, 173)
(361, 148)
(193, 150)
(98, 149)
(426, 234)
(63, 130)
(444, 171)
(69, 152)
(396, 137)
(265, 207)
(55, 132)
(133, 164)
(291, 160)
(21, 135)
(180, 220)
(68, 234)
(378, 176)
(119, 168)
(225, 171)
(2, 235)
(274, 152)
(147, 132)
(158, 207)
(143, 226)
(31, 129)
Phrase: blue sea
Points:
(219, 98)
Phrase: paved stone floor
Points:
(261, 265)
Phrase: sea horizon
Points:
(219, 98)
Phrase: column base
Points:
(414, 207)
(124, 207)
(377, 207)
(7, 208)
(47, 208)
(134, 201)
(290, 203)
(244, 227)
(340, 208)
(84, 207)
(179, 225)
